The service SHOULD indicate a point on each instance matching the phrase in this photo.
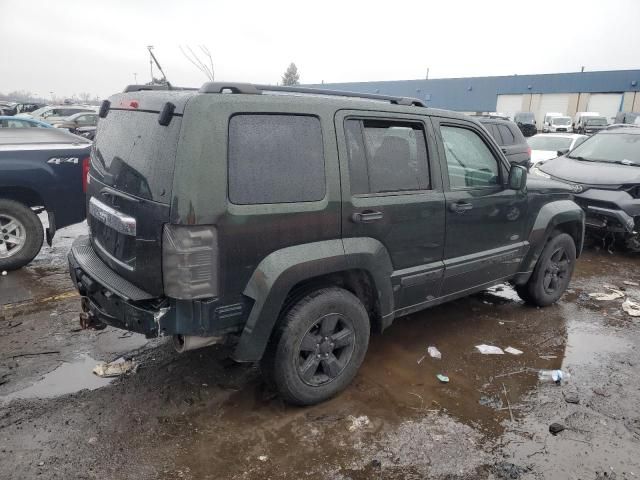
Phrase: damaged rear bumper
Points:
(111, 299)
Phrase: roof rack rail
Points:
(139, 88)
(251, 89)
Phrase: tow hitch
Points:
(88, 320)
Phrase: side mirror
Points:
(562, 152)
(517, 177)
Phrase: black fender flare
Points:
(550, 217)
(281, 270)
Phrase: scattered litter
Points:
(421, 359)
(548, 357)
(92, 440)
(40, 464)
(4, 273)
(489, 350)
(263, 458)
(555, 376)
(571, 397)
(604, 297)
(631, 308)
(434, 353)
(631, 284)
(513, 351)
(556, 428)
(116, 368)
(442, 378)
(358, 423)
(500, 323)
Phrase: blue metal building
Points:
(572, 91)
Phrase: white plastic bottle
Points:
(553, 376)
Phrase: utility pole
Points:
(427, 74)
(582, 69)
(135, 78)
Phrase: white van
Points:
(560, 124)
(547, 120)
(578, 120)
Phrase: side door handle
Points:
(368, 216)
(504, 150)
(460, 207)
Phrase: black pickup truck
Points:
(41, 170)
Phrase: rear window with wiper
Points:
(135, 154)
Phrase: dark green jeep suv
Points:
(294, 222)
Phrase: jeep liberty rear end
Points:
(293, 224)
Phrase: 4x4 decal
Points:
(59, 160)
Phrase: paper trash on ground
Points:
(604, 297)
(434, 352)
(116, 368)
(513, 351)
(632, 308)
(489, 350)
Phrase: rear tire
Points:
(21, 235)
(318, 346)
(552, 272)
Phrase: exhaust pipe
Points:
(184, 343)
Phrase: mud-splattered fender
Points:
(280, 271)
(559, 214)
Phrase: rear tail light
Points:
(85, 174)
(190, 261)
(529, 151)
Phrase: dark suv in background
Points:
(293, 222)
(526, 122)
(510, 138)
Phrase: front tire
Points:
(21, 235)
(552, 273)
(318, 346)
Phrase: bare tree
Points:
(194, 58)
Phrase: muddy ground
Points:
(199, 416)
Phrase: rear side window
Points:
(506, 134)
(275, 159)
(495, 133)
(469, 161)
(386, 156)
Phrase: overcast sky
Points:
(69, 46)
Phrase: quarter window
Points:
(469, 161)
(386, 156)
(275, 159)
(506, 134)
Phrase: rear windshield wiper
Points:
(581, 159)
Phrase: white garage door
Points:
(606, 104)
(509, 104)
(552, 102)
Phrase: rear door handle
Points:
(367, 216)
(504, 150)
(460, 207)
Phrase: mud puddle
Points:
(69, 377)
